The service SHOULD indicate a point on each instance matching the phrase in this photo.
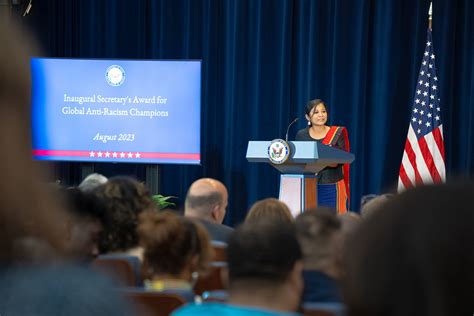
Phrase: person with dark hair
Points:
(176, 249)
(319, 234)
(206, 201)
(265, 266)
(333, 181)
(415, 257)
(124, 199)
(86, 225)
(269, 210)
(29, 211)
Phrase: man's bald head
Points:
(207, 199)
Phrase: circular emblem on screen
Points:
(115, 75)
(278, 151)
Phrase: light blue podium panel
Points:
(298, 180)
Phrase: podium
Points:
(298, 178)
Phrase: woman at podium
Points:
(333, 181)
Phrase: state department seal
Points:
(115, 75)
(278, 151)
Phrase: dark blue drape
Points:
(263, 59)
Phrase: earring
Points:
(309, 123)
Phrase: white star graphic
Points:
(137, 155)
(114, 154)
(430, 65)
(435, 78)
(99, 154)
(130, 155)
(421, 81)
(419, 122)
(414, 119)
(438, 109)
(431, 105)
(425, 93)
(431, 97)
(92, 154)
(418, 91)
(107, 154)
(426, 53)
(428, 43)
(417, 101)
(122, 155)
(429, 114)
(432, 56)
(424, 64)
(423, 103)
(427, 124)
(437, 117)
(427, 84)
(415, 110)
(434, 87)
(428, 75)
(422, 112)
(419, 131)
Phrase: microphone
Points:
(288, 129)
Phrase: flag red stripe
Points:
(404, 178)
(439, 141)
(412, 157)
(425, 151)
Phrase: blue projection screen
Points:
(134, 111)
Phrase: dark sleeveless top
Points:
(328, 174)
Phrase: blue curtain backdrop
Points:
(263, 59)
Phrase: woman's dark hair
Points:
(415, 257)
(124, 199)
(171, 242)
(313, 103)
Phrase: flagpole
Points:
(430, 13)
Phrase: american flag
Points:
(423, 157)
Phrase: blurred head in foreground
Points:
(415, 257)
(28, 210)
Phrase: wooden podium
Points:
(298, 180)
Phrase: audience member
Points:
(265, 266)
(124, 199)
(176, 249)
(269, 209)
(374, 204)
(28, 210)
(85, 228)
(349, 221)
(92, 181)
(320, 237)
(207, 201)
(416, 257)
